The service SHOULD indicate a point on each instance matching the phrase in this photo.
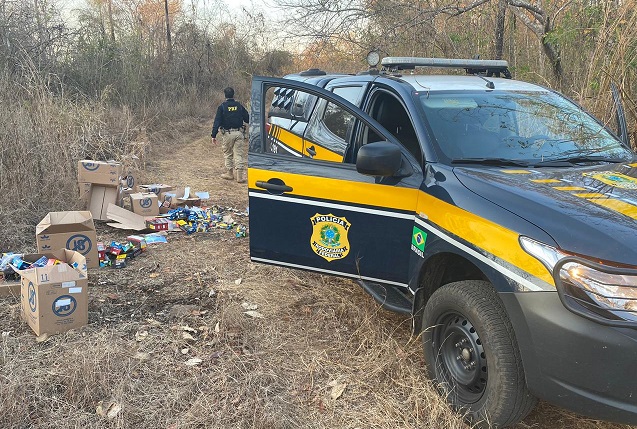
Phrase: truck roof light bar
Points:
(488, 67)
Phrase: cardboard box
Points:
(145, 203)
(54, 298)
(156, 188)
(85, 194)
(168, 200)
(101, 197)
(174, 198)
(99, 172)
(68, 230)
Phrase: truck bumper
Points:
(573, 362)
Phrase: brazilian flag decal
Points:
(418, 239)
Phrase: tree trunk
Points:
(499, 29)
(168, 40)
(110, 20)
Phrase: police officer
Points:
(230, 119)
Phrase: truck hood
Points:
(587, 210)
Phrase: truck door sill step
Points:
(388, 297)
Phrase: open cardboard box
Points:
(55, 298)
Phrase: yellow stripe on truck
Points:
(341, 190)
(483, 234)
(478, 231)
(287, 138)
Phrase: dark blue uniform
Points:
(230, 116)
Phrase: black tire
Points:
(472, 354)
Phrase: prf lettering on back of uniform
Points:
(232, 108)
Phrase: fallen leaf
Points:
(42, 338)
(237, 281)
(112, 296)
(337, 389)
(109, 410)
(249, 306)
(198, 312)
(185, 351)
(188, 328)
(217, 328)
(141, 335)
(254, 314)
(153, 275)
(142, 356)
(187, 336)
(193, 361)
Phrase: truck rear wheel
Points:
(471, 353)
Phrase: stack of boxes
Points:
(100, 185)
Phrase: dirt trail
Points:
(319, 353)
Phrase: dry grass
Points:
(317, 333)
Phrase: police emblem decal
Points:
(329, 236)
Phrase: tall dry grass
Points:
(42, 137)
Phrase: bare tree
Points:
(349, 20)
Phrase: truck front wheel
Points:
(471, 353)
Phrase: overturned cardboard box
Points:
(73, 230)
(54, 298)
(99, 172)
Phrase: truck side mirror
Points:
(379, 159)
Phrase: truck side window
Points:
(331, 126)
(287, 119)
(391, 114)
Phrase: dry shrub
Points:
(43, 136)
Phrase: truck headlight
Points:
(600, 292)
(610, 293)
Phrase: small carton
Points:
(138, 241)
(99, 172)
(55, 297)
(101, 197)
(144, 203)
(72, 230)
(158, 224)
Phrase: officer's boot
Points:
(241, 175)
(228, 175)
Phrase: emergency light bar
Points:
(490, 67)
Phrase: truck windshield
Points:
(533, 127)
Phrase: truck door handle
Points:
(311, 151)
(275, 185)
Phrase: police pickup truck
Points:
(498, 213)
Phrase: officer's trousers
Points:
(235, 149)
